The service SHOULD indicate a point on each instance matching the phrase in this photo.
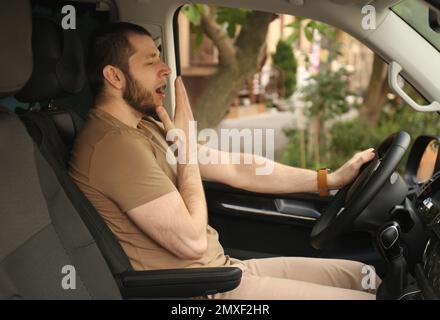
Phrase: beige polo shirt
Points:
(120, 168)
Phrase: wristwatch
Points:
(322, 182)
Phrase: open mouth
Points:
(161, 90)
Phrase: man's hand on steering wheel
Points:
(360, 184)
(349, 170)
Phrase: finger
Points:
(179, 92)
(364, 157)
(183, 88)
(370, 153)
(186, 100)
(164, 117)
(181, 95)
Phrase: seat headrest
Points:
(15, 45)
(58, 63)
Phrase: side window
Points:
(324, 94)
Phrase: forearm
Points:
(190, 187)
(279, 179)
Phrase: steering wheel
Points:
(352, 199)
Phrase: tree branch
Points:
(222, 88)
(252, 38)
(214, 31)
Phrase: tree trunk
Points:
(223, 87)
(220, 92)
(375, 97)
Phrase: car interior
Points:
(385, 219)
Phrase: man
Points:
(158, 210)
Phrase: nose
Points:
(165, 70)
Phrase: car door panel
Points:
(253, 225)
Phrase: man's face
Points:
(145, 81)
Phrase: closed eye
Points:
(151, 60)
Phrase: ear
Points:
(113, 76)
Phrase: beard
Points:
(137, 97)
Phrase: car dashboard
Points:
(427, 204)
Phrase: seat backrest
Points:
(41, 234)
(16, 52)
(54, 129)
(46, 250)
(68, 123)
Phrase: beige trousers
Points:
(292, 278)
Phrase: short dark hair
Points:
(109, 45)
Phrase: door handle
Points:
(297, 208)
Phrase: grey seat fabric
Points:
(46, 251)
(15, 52)
(58, 62)
(54, 129)
(40, 231)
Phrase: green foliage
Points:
(309, 28)
(327, 93)
(231, 18)
(296, 26)
(324, 29)
(285, 60)
(193, 13)
(355, 135)
(349, 137)
(325, 96)
(198, 31)
(292, 153)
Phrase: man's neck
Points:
(121, 111)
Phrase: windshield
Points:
(416, 14)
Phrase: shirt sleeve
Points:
(125, 169)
